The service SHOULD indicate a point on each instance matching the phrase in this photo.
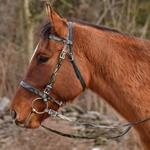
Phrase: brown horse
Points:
(114, 65)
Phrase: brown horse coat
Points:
(114, 65)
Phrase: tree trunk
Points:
(29, 28)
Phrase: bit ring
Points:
(34, 110)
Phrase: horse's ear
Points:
(57, 22)
(50, 12)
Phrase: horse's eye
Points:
(43, 59)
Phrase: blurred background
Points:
(20, 23)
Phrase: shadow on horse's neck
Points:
(119, 67)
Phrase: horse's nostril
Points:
(13, 114)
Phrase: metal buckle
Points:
(71, 58)
(68, 42)
(51, 112)
(47, 89)
(62, 54)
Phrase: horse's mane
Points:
(47, 28)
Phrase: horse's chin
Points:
(32, 122)
(28, 125)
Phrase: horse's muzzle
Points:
(22, 124)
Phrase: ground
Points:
(15, 138)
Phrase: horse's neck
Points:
(121, 73)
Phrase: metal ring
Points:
(34, 110)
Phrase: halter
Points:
(45, 95)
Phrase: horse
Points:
(73, 56)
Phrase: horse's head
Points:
(51, 79)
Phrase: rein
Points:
(45, 97)
(56, 114)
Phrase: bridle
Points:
(45, 96)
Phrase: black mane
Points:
(100, 27)
(47, 28)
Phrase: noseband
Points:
(45, 95)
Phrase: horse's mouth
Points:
(22, 125)
(26, 123)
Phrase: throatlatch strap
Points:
(70, 35)
(71, 58)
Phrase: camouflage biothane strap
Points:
(42, 95)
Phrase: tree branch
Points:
(144, 31)
(106, 11)
(8, 41)
(41, 14)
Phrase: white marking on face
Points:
(34, 52)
